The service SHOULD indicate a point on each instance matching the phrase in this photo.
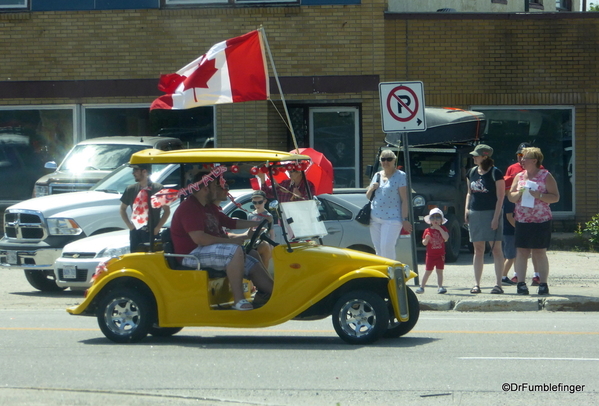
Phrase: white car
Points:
(79, 259)
(77, 264)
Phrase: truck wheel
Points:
(454, 244)
(398, 328)
(42, 280)
(164, 331)
(360, 317)
(125, 315)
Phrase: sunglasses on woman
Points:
(387, 159)
(257, 201)
(436, 217)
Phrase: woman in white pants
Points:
(389, 206)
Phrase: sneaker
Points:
(543, 289)
(522, 289)
(442, 290)
(507, 281)
(514, 279)
(420, 289)
(535, 281)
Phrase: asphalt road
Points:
(51, 358)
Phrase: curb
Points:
(551, 304)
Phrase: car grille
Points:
(81, 275)
(24, 225)
(78, 255)
(57, 188)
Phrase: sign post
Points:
(402, 109)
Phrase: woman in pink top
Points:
(533, 190)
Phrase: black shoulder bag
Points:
(363, 216)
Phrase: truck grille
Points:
(57, 188)
(79, 255)
(24, 225)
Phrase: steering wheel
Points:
(262, 229)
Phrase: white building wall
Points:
(466, 6)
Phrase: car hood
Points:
(52, 204)
(95, 243)
(73, 177)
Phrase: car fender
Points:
(99, 286)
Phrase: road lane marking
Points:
(530, 358)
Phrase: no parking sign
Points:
(402, 106)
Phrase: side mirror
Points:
(50, 165)
(239, 214)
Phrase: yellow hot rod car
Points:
(149, 292)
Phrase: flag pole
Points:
(274, 71)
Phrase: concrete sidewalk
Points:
(573, 286)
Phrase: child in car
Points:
(434, 239)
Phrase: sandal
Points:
(496, 290)
(475, 289)
(243, 304)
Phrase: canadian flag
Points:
(232, 71)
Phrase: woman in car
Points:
(292, 189)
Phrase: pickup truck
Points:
(36, 230)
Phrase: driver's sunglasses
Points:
(387, 159)
(257, 201)
(520, 155)
(436, 217)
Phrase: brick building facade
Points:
(326, 56)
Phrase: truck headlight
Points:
(113, 252)
(418, 201)
(63, 227)
(41, 190)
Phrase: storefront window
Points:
(550, 129)
(121, 120)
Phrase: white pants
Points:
(384, 234)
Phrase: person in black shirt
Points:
(484, 201)
(141, 213)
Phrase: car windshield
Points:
(119, 179)
(99, 157)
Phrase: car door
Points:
(331, 222)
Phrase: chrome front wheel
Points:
(360, 317)
(125, 316)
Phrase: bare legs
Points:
(540, 263)
(258, 275)
(479, 260)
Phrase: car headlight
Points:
(418, 201)
(113, 252)
(41, 190)
(63, 227)
(406, 270)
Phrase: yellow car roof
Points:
(153, 156)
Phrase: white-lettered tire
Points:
(126, 315)
(360, 317)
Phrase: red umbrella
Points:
(320, 171)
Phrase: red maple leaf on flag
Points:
(200, 77)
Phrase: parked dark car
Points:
(20, 166)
